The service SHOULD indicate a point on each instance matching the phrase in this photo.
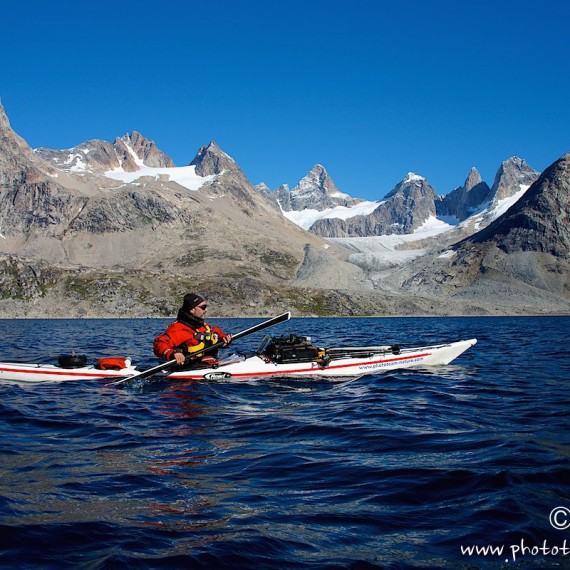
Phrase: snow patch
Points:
(184, 175)
(138, 161)
(488, 213)
(381, 251)
(431, 227)
(78, 165)
(306, 218)
(503, 205)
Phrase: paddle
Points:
(207, 350)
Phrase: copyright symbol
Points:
(560, 518)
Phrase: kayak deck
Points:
(337, 362)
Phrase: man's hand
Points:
(179, 357)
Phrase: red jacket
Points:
(189, 339)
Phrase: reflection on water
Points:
(394, 470)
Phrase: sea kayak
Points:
(286, 357)
(310, 362)
(18, 372)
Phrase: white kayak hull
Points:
(17, 372)
(346, 366)
(378, 360)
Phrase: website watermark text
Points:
(516, 551)
(559, 519)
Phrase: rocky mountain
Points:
(94, 230)
(522, 258)
(315, 191)
(403, 210)
(269, 195)
(538, 222)
(474, 198)
(115, 229)
(97, 156)
(18, 163)
(513, 176)
(413, 202)
(465, 200)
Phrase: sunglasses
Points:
(203, 307)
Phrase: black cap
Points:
(191, 300)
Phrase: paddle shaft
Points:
(207, 350)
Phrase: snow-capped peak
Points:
(412, 177)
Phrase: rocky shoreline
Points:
(120, 298)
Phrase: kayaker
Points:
(190, 333)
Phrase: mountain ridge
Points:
(134, 243)
(527, 245)
(413, 201)
(111, 234)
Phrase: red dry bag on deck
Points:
(112, 363)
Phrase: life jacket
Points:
(188, 334)
(205, 337)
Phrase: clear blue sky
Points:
(370, 89)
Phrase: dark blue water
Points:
(410, 469)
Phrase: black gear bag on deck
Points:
(292, 348)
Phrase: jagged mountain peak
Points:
(131, 152)
(145, 150)
(11, 142)
(472, 180)
(212, 160)
(319, 172)
(406, 208)
(540, 220)
(315, 191)
(525, 250)
(466, 200)
(513, 175)
(18, 162)
(410, 184)
(133, 156)
(317, 180)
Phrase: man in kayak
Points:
(190, 333)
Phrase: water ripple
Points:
(395, 471)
